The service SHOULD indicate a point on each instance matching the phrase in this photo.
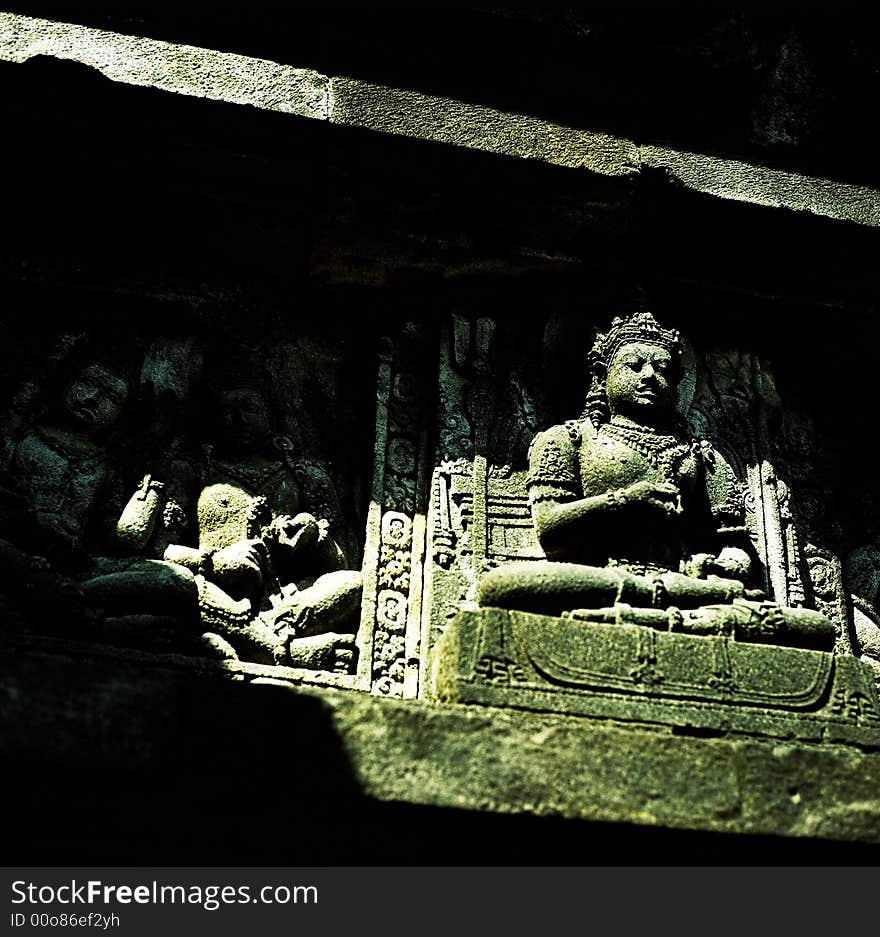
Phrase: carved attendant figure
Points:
(627, 510)
(61, 466)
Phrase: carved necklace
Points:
(663, 451)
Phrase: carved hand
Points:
(296, 532)
(662, 496)
(242, 560)
(731, 563)
(138, 519)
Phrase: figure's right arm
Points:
(562, 515)
(559, 509)
(559, 525)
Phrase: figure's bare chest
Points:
(614, 459)
(59, 466)
(271, 480)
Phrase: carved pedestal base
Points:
(630, 672)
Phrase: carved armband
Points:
(553, 471)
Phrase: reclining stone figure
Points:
(272, 589)
(274, 586)
(266, 582)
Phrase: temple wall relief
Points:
(114, 466)
(390, 637)
(479, 516)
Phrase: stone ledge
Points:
(494, 657)
(182, 69)
(347, 101)
(444, 120)
(761, 185)
(89, 710)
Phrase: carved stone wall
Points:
(737, 407)
(93, 410)
(411, 283)
(390, 637)
(772, 470)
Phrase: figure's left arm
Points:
(721, 534)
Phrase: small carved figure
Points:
(273, 586)
(244, 452)
(61, 466)
(628, 511)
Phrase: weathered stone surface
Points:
(151, 581)
(443, 120)
(107, 712)
(350, 101)
(298, 240)
(202, 73)
(631, 672)
(764, 185)
(645, 531)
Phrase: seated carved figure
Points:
(272, 589)
(61, 466)
(622, 501)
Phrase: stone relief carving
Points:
(393, 557)
(862, 578)
(270, 580)
(57, 479)
(224, 539)
(614, 496)
(60, 463)
(673, 570)
(218, 550)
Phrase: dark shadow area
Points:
(778, 86)
(153, 767)
(138, 191)
(197, 819)
(150, 192)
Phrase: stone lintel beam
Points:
(200, 73)
(762, 185)
(346, 101)
(444, 120)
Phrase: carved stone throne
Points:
(479, 517)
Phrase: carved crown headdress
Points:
(638, 327)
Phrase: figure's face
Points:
(640, 381)
(243, 418)
(96, 397)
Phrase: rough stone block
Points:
(444, 120)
